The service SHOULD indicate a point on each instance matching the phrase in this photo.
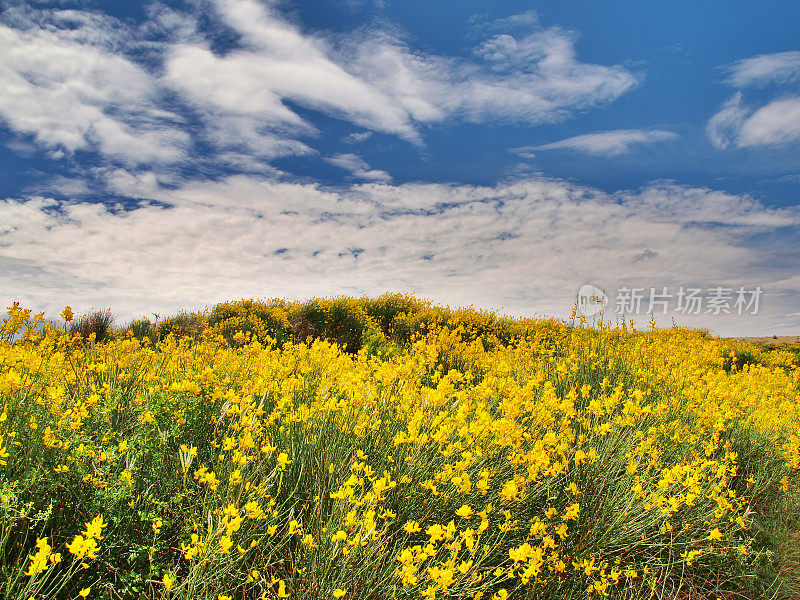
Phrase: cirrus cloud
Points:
(608, 143)
(780, 67)
(775, 123)
(358, 167)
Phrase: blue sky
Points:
(161, 155)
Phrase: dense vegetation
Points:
(390, 448)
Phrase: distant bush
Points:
(142, 329)
(377, 324)
(340, 320)
(181, 325)
(738, 354)
(386, 308)
(97, 323)
(240, 320)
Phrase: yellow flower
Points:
(436, 532)
(429, 592)
(465, 512)
(412, 527)
(572, 512)
(67, 314)
(690, 556)
(225, 544)
(39, 561)
(95, 528)
(282, 589)
(715, 535)
(82, 547)
(510, 490)
(168, 581)
(283, 460)
(338, 593)
(85, 592)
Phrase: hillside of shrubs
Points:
(385, 448)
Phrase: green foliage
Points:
(184, 324)
(142, 329)
(386, 308)
(340, 320)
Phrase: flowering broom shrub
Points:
(475, 457)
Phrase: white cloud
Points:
(70, 92)
(375, 80)
(772, 124)
(526, 246)
(358, 167)
(781, 67)
(666, 202)
(776, 123)
(609, 143)
(724, 126)
(256, 83)
(72, 187)
(357, 137)
(523, 20)
(534, 78)
(79, 80)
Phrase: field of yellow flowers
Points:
(389, 448)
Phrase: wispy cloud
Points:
(723, 128)
(776, 123)
(64, 85)
(781, 67)
(357, 137)
(531, 78)
(739, 124)
(608, 143)
(358, 167)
